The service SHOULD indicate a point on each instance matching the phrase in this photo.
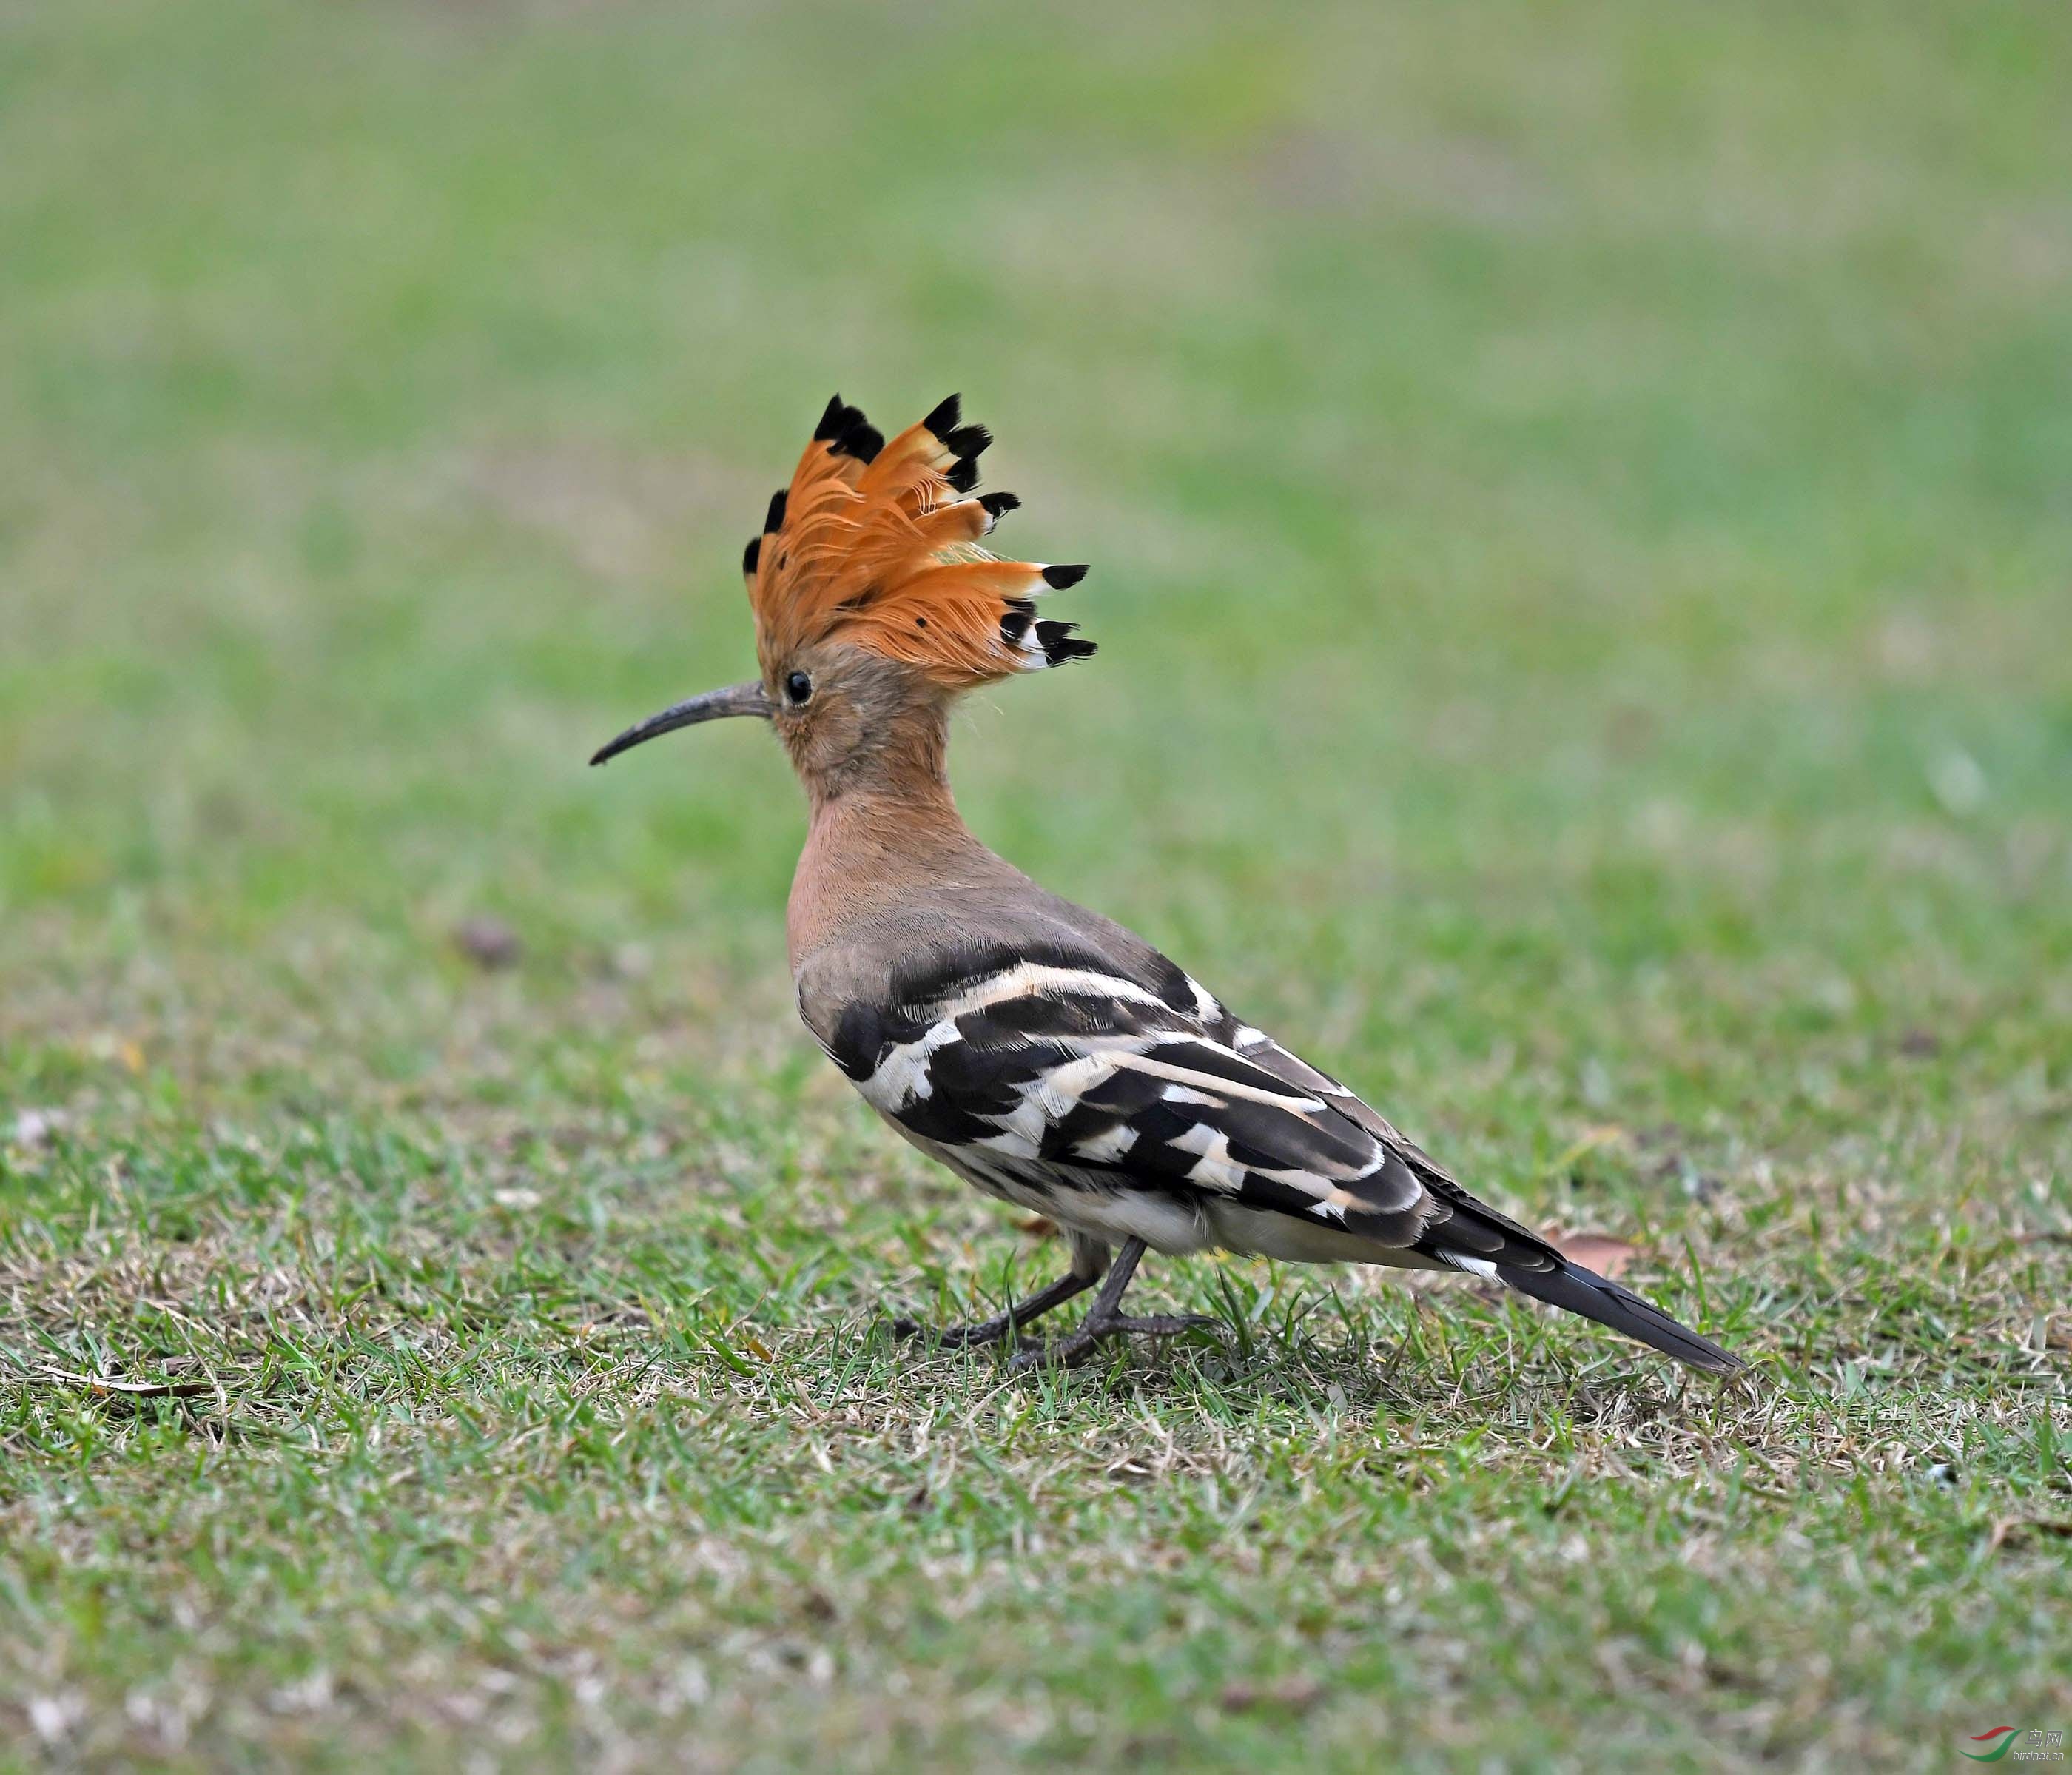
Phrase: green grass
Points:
(1578, 495)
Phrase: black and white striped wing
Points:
(1040, 1068)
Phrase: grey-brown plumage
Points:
(1040, 1051)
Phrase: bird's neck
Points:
(884, 831)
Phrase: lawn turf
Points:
(1583, 566)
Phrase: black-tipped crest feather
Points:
(835, 419)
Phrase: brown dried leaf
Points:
(135, 1390)
(1597, 1251)
(1293, 1694)
(2012, 1531)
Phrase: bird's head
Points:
(875, 604)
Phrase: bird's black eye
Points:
(798, 688)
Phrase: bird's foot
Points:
(1073, 1349)
(991, 1331)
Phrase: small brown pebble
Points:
(1921, 1045)
(488, 942)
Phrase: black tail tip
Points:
(1585, 1293)
(1058, 577)
(943, 417)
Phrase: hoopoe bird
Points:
(1038, 1050)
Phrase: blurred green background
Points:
(1580, 498)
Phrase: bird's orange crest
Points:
(877, 544)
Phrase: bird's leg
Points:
(991, 1331)
(1104, 1319)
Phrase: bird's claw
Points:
(989, 1330)
(1070, 1350)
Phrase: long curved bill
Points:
(736, 699)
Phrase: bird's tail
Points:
(1472, 1235)
(1576, 1290)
